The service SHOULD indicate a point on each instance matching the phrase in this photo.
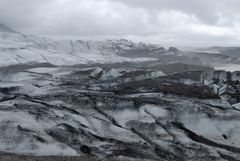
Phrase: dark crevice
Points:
(227, 157)
(109, 117)
(160, 151)
(203, 140)
(162, 126)
(8, 99)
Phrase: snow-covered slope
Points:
(18, 48)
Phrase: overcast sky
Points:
(169, 22)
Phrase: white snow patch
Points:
(228, 67)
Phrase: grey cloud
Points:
(21, 14)
(204, 9)
(189, 22)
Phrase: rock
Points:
(110, 74)
(96, 73)
(236, 76)
(173, 49)
(225, 84)
(85, 149)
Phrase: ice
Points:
(19, 49)
(237, 106)
(228, 67)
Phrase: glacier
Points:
(116, 99)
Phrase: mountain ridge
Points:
(4, 28)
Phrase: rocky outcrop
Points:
(225, 84)
(174, 50)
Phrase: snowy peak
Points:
(4, 28)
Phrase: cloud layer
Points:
(169, 22)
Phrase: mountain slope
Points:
(18, 48)
(4, 28)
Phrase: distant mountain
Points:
(4, 28)
(228, 51)
(24, 49)
(17, 48)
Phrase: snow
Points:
(52, 149)
(237, 106)
(96, 72)
(212, 51)
(156, 111)
(111, 74)
(127, 115)
(25, 144)
(42, 70)
(213, 129)
(106, 129)
(228, 67)
(21, 49)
